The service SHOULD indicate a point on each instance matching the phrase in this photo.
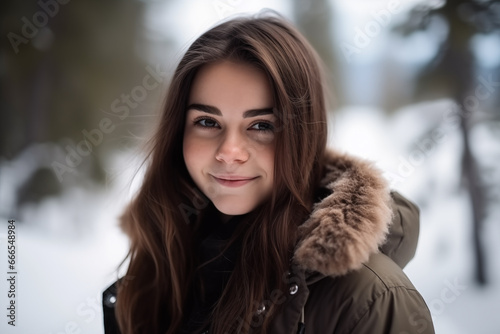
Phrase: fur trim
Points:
(349, 224)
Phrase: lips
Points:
(233, 180)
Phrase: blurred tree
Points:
(314, 20)
(452, 74)
(62, 64)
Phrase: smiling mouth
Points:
(234, 181)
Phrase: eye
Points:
(262, 126)
(206, 122)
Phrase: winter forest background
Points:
(416, 89)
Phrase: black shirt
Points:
(211, 278)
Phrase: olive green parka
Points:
(346, 275)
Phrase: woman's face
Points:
(229, 136)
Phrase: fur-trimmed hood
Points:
(350, 223)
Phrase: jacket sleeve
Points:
(404, 231)
(108, 305)
(398, 310)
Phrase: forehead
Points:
(231, 84)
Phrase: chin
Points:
(231, 208)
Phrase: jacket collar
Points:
(350, 223)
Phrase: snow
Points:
(69, 246)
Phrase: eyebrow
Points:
(215, 111)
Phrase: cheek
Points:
(196, 152)
(190, 152)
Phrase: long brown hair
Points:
(164, 216)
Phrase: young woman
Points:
(245, 221)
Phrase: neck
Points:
(224, 218)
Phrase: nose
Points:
(232, 149)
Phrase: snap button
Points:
(110, 300)
(293, 289)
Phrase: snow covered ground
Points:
(70, 246)
(67, 251)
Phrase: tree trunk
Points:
(475, 190)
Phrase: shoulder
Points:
(377, 298)
(402, 239)
(380, 275)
